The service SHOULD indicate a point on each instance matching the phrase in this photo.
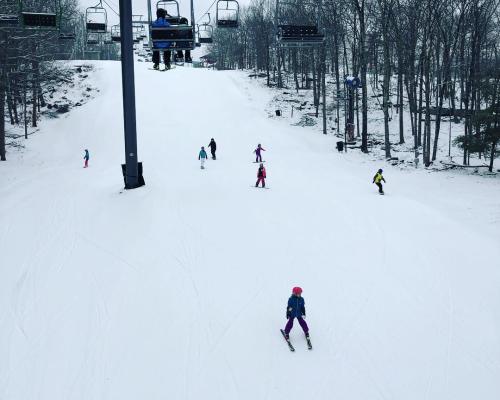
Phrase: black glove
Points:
(287, 315)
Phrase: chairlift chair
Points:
(137, 19)
(39, 16)
(115, 33)
(107, 38)
(227, 14)
(9, 20)
(180, 36)
(96, 19)
(39, 20)
(205, 33)
(93, 38)
(294, 32)
(69, 35)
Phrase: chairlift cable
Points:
(208, 10)
(111, 8)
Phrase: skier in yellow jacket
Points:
(377, 180)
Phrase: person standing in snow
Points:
(378, 179)
(213, 147)
(296, 309)
(258, 155)
(202, 156)
(86, 158)
(261, 176)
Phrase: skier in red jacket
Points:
(261, 176)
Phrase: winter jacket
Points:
(258, 150)
(161, 23)
(203, 154)
(86, 156)
(378, 177)
(296, 307)
(261, 173)
(213, 145)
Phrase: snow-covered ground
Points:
(177, 290)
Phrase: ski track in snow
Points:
(177, 290)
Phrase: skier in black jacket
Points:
(213, 147)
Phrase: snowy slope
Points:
(177, 290)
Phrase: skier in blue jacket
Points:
(296, 309)
(161, 22)
(202, 156)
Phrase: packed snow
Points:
(177, 290)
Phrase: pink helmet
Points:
(297, 290)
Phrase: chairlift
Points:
(228, 16)
(137, 19)
(93, 38)
(9, 20)
(107, 38)
(205, 33)
(70, 35)
(294, 32)
(115, 33)
(180, 36)
(42, 15)
(96, 19)
(39, 20)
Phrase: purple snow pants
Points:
(302, 322)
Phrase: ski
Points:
(259, 187)
(290, 346)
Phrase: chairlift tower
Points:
(133, 177)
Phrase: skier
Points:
(258, 155)
(86, 158)
(261, 176)
(377, 180)
(164, 45)
(296, 309)
(202, 156)
(213, 147)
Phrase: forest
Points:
(430, 59)
(29, 55)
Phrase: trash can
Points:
(340, 146)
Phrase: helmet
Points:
(297, 290)
(380, 171)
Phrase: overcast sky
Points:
(140, 7)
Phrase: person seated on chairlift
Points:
(161, 22)
(179, 57)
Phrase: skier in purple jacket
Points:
(258, 155)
